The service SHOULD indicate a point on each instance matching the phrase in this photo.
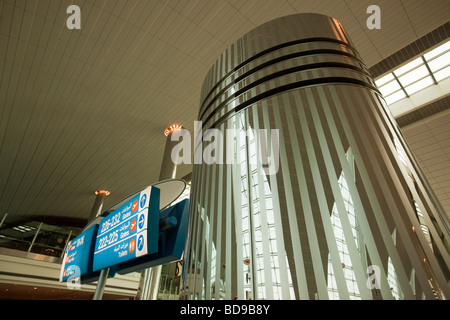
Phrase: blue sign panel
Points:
(129, 232)
(78, 256)
(173, 224)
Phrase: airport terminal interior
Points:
(91, 92)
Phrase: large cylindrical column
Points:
(312, 192)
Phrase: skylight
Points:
(416, 75)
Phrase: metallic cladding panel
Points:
(347, 215)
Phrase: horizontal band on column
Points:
(281, 46)
(267, 64)
(278, 74)
(290, 86)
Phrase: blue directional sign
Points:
(77, 260)
(173, 223)
(129, 232)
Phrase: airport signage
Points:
(173, 225)
(78, 256)
(129, 232)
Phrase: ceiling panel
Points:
(85, 109)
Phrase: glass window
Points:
(344, 254)
(400, 94)
(419, 85)
(442, 74)
(408, 67)
(414, 75)
(435, 52)
(392, 280)
(389, 88)
(384, 79)
(440, 62)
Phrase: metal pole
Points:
(168, 171)
(3, 219)
(35, 236)
(101, 284)
(156, 279)
(95, 212)
(67, 242)
(98, 204)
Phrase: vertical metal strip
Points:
(264, 231)
(279, 230)
(192, 227)
(372, 247)
(209, 241)
(204, 268)
(411, 213)
(229, 243)
(304, 195)
(237, 208)
(219, 223)
(297, 248)
(324, 212)
(431, 226)
(372, 195)
(198, 229)
(251, 212)
(395, 206)
(355, 256)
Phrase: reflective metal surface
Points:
(347, 215)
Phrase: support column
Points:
(98, 204)
(150, 278)
(334, 201)
(95, 212)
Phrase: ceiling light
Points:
(105, 192)
(171, 129)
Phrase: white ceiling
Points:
(82, 110)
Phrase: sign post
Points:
(101, 284)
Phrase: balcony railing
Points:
(36, 237)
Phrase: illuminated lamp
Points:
(172, 128)
(105, 192)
